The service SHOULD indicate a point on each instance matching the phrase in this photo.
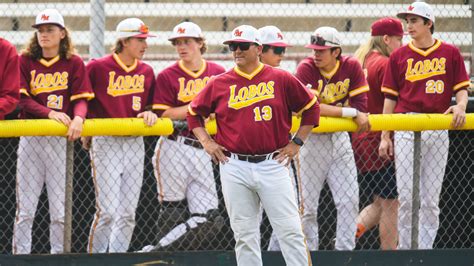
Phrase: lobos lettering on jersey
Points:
(188, 90)
(246, 96)
(124, 85)
(49, 82)
(425, 69)
(333, 92)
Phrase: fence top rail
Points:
(164, 126)
(231, 9)
(298, 38)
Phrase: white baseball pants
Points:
(117, 165)
(434, 156)
(41, 160)
(329, 157)
(245, 186)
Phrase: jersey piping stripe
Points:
(328, 75)
(158, 106)
(250, 75)
(97, 206)
(191, 111)
(89, 96)
(159, 180)
(18, 204)
(123, 65)
(462, 85)
(389, 91)
(192, 73)
(48, 63)
(307, 106)
(24, 92)
(423, 52)
(358, 91)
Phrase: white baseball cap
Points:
(421, 9)
(49, 16)
(186, 29)
(324, 38)
(244, 33)
(132, 27)
(271, 35)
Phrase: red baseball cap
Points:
(387, 26)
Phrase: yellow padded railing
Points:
(136, 127)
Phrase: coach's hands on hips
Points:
(287, 153)
(149, 118)
(386, 146)
(362, 121)
(215, 150)
(459, 115)
(75, 128)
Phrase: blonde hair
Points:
(118, 46)
(374, 43)
(34, 50)
(203, 48)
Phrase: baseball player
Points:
(54, 85)
(123, 86)
(253, 104)
(377, 175)
(421, 77)
(9, 78)
(273, 51)
(183, 169)
(340, 85)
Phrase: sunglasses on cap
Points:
(318, 40)
(244, 46)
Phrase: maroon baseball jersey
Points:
(120, 91)
(424, 81)
(9, 78)
(366, 144)
(53, 83)
(345, 85)
(253, 111)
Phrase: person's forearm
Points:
(330, 110)
(461, 98)
(176, 113)
(388, 108)
(202, 135)
(304, 131)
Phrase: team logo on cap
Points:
(144, 29)
(181, 30)
(280, 36)
(238, 33)
(44, 17)
(410, 8)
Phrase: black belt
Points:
(251, 158)
(187, 141)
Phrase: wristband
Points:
(349, 112)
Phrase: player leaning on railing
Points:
(421, 77)
(54, 85)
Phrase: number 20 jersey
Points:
(423, 81)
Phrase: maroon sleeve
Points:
(359, 87)
(390, 85)
(301, 100)
(81, 85)
(304, 74)
(80, 108)
(28, 105)
(10, 78)
(461, 78)
(165, 96)
(201, 106)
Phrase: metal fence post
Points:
(416, 190)
(97, 29)
(68, 196)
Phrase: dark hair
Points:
(34, 50)
(202, 40)
(425, 21)
(340, 52)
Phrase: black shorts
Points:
(382, 183)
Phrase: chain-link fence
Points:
(177, 201)
(93, 23)
(297, 19)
